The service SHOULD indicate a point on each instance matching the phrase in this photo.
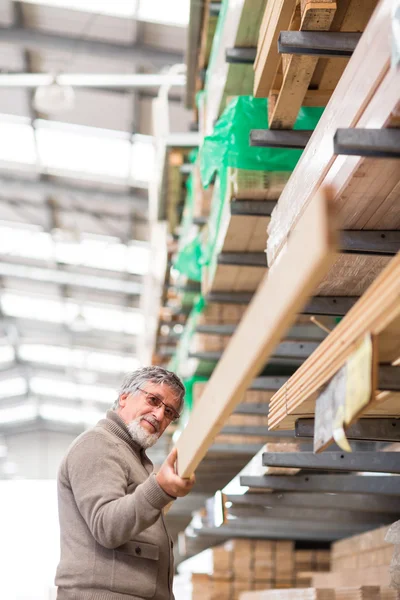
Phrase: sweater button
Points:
(138, 550)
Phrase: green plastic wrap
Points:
(228, 147)
(188, 258)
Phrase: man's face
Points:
(135, 407)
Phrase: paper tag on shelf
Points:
(348, 392)
(359, 379)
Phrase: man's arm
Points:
(98, 479)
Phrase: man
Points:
(114, 543)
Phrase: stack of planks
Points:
(250, 397)
(367, 190)
(359, 560)
(238, 27)
(366, 197)
(290, 80)
(209, 24)
(377, 312)
(202, 197)
(243, 233)
(343, 593)
(243, 565)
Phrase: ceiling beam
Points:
(18, 184)
(139, 54)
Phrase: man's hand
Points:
(170, 482)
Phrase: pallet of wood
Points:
(238, 27)
(208, 27)
(294, 80)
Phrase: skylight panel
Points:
(23, 412)
(94, 253)
(17, 143)
(79, 358)
(116, 8)
(66, 414)
(80, 153)
(54, 311)
(7, 354)
(43, 386)
(15, 386)
(174, 12)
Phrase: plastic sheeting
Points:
(228, 146)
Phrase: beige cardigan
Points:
(114, 544)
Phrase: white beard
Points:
(140, 436)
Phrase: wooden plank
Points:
(272, 311)
(316, 16)
(374, 313)
(366, 70)
(277, 17)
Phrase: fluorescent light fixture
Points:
(15, 386)
(116, 8)
(17, 143)
(45, 386)
(65, 414)
(174, 12)
(83, 153)
(78, 358)
(56, 311)
(22, 412)
(7, 354)
(67, 81)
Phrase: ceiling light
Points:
(54, 98)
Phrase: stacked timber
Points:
(358, 560)
(294, 80)
(366, 195)
(250, 397)
(377, 312)
(344, 593)
(243, 234)
(202, 196)
(243, 565)
(238, 27)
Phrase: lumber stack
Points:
(367, 190)
(377, 312)
(360, 559)
(250, 397)
(202, 196)
(291, 81)
(238, 27)
(242, 234)
(243, 565)
(362, 551)
(344, 593)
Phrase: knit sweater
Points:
(114, 543)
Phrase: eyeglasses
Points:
(155, 401)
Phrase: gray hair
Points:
(134, 380)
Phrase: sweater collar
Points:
(117, 426)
